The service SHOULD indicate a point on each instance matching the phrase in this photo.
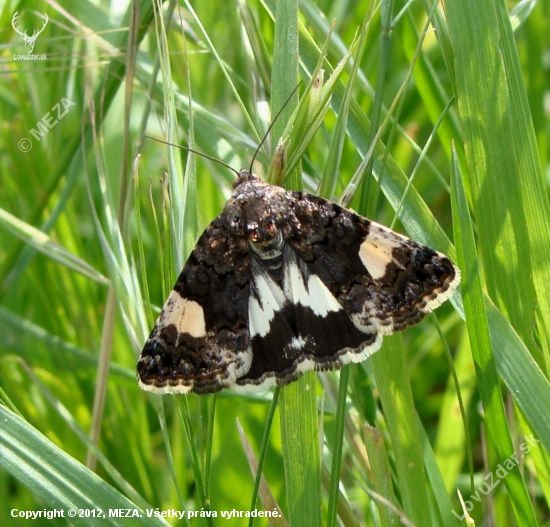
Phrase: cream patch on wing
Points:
(186, 315)
(377, 249)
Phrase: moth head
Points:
(244, 176)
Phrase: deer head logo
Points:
(29, 40)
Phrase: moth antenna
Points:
(271, 125)
(195, 152)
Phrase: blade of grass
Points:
(381, 472)
(178, 199)
(299, 428)
(284, 75)
(122, 212)
(367, 199)
(32, 342)
(327, 187)
(497, 194)
(263, 451)
(480, 341)
(40, 241)
(170, 459)
(433, 95)
(441, 503)
(533, 186)
(313, 106)
(185, 418)
(453, 436)
(337, 448)
(221, 63)
(301, 456)
(329, 179)
(521, 374)
(58, 479)
(393, 383)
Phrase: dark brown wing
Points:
(200, 342)
(386, 282)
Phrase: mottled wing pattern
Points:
(285, 282)
(200, 342)
(346, 281)
(384, 281)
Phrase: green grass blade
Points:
(453, 430)
(284, 75)
(329, 179)
(442, 506)
(263, 451)
(386, 11)
(396, 397)
(337, 448)
(299, 427)
(381, 472)
(58, 479)
(497, 195)
(42, 242)
(521, 374)
(533, 185)
(478, 330)
(34, 344)
(300, 442)
(179, 198)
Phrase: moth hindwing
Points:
(284, 282)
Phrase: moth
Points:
(284, 282)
